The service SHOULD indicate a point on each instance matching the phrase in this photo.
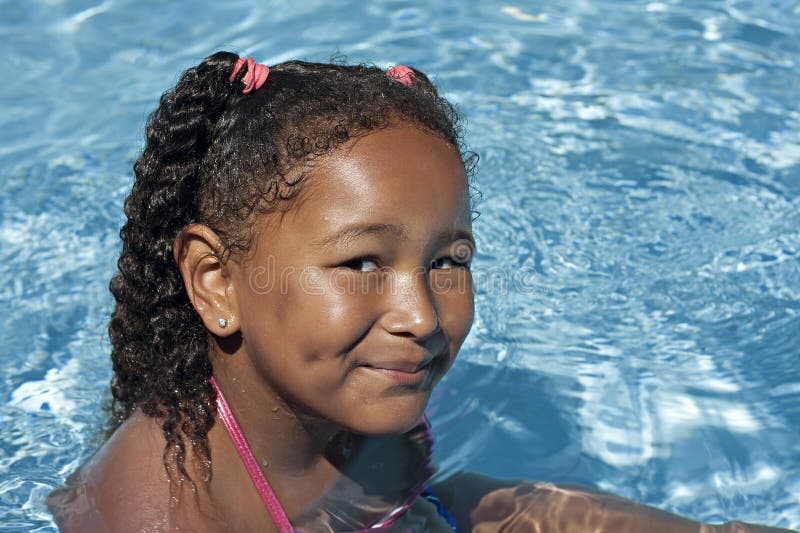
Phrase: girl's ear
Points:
(198, 253)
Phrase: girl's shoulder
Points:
(124, 487)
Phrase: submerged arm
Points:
(483, 504)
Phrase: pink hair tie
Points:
(255, 76)
(403, 74)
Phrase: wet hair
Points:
(221, 158)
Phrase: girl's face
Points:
(356, 301)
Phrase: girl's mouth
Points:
(404, 373)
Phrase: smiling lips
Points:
(405, 373)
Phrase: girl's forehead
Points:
(401, 184)
(400, 175)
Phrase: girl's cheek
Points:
(456, 304)
(339, 297)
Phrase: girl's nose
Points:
(413, 310)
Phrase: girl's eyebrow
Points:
(351, 232)
(457, 234)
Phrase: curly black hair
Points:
(216, 156)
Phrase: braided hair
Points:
(221, 158)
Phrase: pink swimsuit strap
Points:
(251, 464)
(274, 507)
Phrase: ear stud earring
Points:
(222, 322)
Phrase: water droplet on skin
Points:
(274, 409)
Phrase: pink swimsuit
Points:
(268, 496)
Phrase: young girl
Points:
(294, 280)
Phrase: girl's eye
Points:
(447, 262)
(362, 264)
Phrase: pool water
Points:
(638, 274)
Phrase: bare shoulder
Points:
(482, 504)
(124, 487)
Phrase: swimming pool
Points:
(638, 284)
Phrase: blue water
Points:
(638, 274)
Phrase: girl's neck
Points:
(285, 440)
(296, 454)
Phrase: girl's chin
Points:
(388, 421)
